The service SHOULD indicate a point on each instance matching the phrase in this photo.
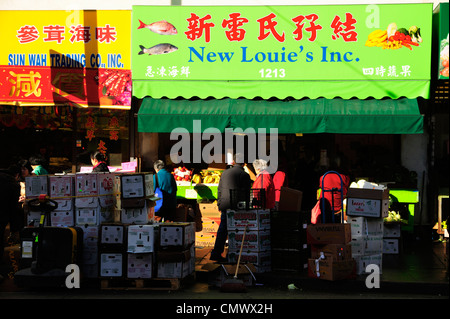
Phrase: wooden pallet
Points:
(143, 284)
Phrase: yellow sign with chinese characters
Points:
(66, 39)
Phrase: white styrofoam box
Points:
(255, 219)
(86, 216)
(262, 260)
(90, 244)
(105, 183)
(374, 245)
(365, 226)
(358, 245)
(62, 218)
(391, 246)
(112, 234)
(256, 240)
(88, 201)
(375, 226)
(137, 215)
(111, 265)
(170, 269)
(62, 186)
(134, 185)
(140, 265)
(35, 186)
(177, 234)
(86, 184)
(392, 230)
(141, 238)
(64, 205)
(363, 261)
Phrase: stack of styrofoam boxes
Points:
(141, 243)
(257, 244)
(34, 187)
(366, 209)
(61, 188)
(176, 250)
(392, 239)
(132, 193)
(93, 205)
(210, 224)
(112, 250)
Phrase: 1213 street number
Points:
(272, 73)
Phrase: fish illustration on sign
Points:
(161, 48)
(160, 27)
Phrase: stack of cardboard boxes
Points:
(210, 216)
(366, 209)
(256, 244)
(331, 252)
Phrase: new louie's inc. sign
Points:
(278, 43)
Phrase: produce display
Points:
(181, 173)
(443, 67)
(395, 38)
(184, 174)
(394, 217)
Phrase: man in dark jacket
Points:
(235, 180)
(9, 201)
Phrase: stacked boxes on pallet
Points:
(257, 245)
(366, 209)
(331, 257)
(392, 238)
(176, 251)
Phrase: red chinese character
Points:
(27, 34)
(102, 147)
(235, 33)
(90, 122)
(106, 34)
(266, 23)
(54, 33)
(312, 28)
(196, 27)
(114, 123)
(90, 135)
(344, 28)
(114, 135)
(80, 33)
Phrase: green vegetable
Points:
(403, 30)
(414, 33)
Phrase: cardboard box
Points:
(35, 186)
(105, 183)
(62, 218)
(358, 245)
(90, 244)
(205, 239)
(363, 202)
(111, 265)
(141, 238)
(134, 185)
(332, 251)
(140, 265)
(112, 235)
(86, 216)
(176, 234)
(209, 210)
(328, 234)
(105, 214)
(392, 230)
(256, 240)
(328, 269)
(366, 226)
(363, 261)
(261, 260)
(374, 245)
(290, 200)
(391, 246)
(210, 224)
(62, 186)
(254, 219)
(135, 215)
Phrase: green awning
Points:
(388, 116)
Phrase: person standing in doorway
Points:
(165, 181)
(264, 181)
(236, 180)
